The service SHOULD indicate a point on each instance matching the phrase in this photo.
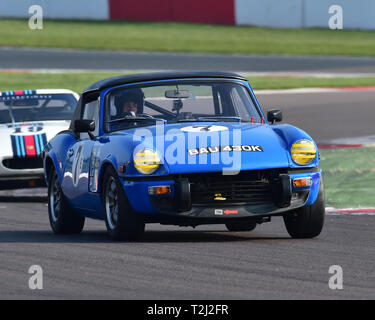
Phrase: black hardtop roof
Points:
(140, 77)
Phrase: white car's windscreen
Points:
(36, 107)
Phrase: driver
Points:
(130, 106)
(130, 103)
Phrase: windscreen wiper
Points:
(133, 119)
(221, 118)
(211, 119)
(193, 120)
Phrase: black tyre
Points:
(62, 218)
(241, 226)
(122, 222)
(307, 222)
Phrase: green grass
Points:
(349, 175)
(184, 37)
(79, 81)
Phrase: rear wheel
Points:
(62, 218)
(307, 222)
(122, 222)
(241, 226)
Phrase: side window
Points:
(240, 99)
(91, 112)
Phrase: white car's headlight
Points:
(146, 161)
(303, 152)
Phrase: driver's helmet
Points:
(131, 95)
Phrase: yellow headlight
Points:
(146, 161)
(303, 152)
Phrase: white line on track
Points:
(350, 141)
(315, 90)
(296, 91)
(243, 73)
(350, 211)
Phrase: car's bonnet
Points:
(21, 129)
(214, 146)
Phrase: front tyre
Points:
(307, 222)
(122, 222)
(62, 218)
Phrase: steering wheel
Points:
(145, 115)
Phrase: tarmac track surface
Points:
(177, 263)
(34, 58)
(326, 116)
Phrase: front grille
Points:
(23, 163)
(247, 187)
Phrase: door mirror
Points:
(84, 125)
(274, 116)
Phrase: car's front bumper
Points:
(21, 172)
(175, 204)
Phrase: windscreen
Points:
(180, 102)
(36, 107)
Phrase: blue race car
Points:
(181, 148)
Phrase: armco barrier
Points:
(357, 14)
(55, 9)
(201, 11)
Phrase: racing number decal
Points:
(77, 165)
(204, 128)
(20, 129)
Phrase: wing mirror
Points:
(85, 126)
(274, 116)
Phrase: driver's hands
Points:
(129, 114)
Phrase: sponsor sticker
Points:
(218, 212)
(230, 211)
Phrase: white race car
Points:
(28, 119)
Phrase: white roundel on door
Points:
(204, 128)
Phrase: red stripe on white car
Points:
(30, 146)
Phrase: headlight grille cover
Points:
(303, 152)
(146, 161)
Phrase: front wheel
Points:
(62, 218)
(122, 222)
(307, 222)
